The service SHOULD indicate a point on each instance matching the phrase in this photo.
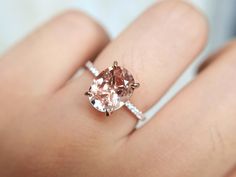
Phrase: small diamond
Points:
(111, 89)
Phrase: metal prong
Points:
(88, 93)
(108, 113)
(135, 85)
(115, 64)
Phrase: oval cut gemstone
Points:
(111, 89)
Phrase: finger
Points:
(232, 173)
(45, 60)
(155, 49)
(195, 134)
(212, 58)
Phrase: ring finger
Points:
(155, 49)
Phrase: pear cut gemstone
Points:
(111, 89)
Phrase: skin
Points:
(49, 129)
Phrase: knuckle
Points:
(77, 18)
(186, 15)
(79, 23)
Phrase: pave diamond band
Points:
(89, 65)
(135, 110)
(111, 89)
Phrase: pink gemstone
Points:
(111, 89)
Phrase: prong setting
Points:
(97, 98)
(115, 64)
(88, 93)
(135, 85)
(108, 113)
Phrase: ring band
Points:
(111, 89)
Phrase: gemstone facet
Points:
(111, 89)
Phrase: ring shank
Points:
(138, 114)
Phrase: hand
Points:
(49, 129)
